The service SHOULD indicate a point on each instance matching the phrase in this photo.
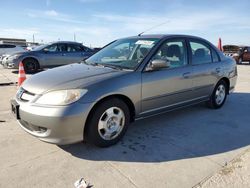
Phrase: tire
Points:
(107, 123)
(30, 65)
(219, 95)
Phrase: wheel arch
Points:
(225, 79)
(33, 58)
(124, 98)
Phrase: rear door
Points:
(75, 53)
(169, 86)
(206, 68)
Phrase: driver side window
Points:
(174, 52)
(52, 48)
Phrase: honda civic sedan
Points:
(129, 79)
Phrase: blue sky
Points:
(97, 22)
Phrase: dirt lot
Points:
(192, 147)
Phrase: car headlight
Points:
(61, 97)
(14, 57)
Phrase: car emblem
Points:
(20, 93)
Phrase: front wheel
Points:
(30, 65)
(219, 95)
(107, 123)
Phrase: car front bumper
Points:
(10, 63)
(58, 125)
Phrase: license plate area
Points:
(15, 109)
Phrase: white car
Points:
(7, 49)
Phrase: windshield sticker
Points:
(145, 42)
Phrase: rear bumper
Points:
(233, 81)
(57, 125)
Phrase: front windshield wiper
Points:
(113, 66)
(93, 64)
(118, 67)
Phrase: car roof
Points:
(63, 42)
(161, 36)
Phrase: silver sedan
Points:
(130, 79)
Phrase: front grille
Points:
(24, 95)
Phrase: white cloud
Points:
(52, 15)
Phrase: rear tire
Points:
(107, 123)
(30, 65)
(219, 95)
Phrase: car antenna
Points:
(155, 26)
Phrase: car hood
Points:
(25, 53)
(68, 77)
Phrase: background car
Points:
(8, 49)
(129, 79)
(244, 55)
(231, 50)
(49, 55)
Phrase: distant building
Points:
(21, 42)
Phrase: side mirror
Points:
(157, 64)
(45, 50)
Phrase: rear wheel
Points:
(219, 95)
(30, 65)
(107, 123)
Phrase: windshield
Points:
(124, 53)
(38, 48)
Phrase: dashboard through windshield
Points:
(124, 53)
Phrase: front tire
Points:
(107, 123)
(219, 95)
(30, 65)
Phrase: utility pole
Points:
(74, 37)
(33, 38)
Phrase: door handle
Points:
(186, 74)
(217, 70)
(63, 54)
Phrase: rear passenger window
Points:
(201, 54)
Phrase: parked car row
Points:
(129, 79)
(48, 55)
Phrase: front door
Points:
(53, 55)
(169, 86)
